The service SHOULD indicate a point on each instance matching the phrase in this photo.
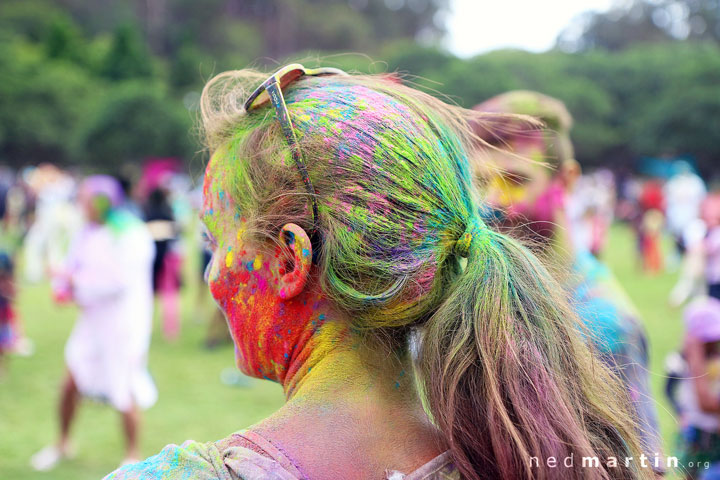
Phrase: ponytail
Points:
(507, 378)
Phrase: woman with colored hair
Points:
(344, 228)
(108, 275)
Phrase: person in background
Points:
(528, 199)
(590, 207)
(695, 390)
(710, 213)
(12, 230)
(160, 221)
(684, 193)
(108, 275)
(129, 204)
(650, 227)
(56, 220)
(604, 209)
(9, 334)
(700, 272)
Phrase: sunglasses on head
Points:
(271, 91)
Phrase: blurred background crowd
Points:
(113, 87)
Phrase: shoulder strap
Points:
(274, 452)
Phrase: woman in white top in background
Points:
(109, 276)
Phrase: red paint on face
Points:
(270, 333)
(273, 335)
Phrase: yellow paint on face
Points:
(229, 259)
(520, 174)
(507, 193)
(258, 262)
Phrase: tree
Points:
(128, 56)
(101, 91)
(643, 21)
(134, 120)
(40, 103)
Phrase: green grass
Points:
(193, 403)
(663, 323)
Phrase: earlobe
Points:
(292, 261)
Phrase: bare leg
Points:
(171, 318)
(131, 422)
(69, 399)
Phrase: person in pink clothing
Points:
(161, 223)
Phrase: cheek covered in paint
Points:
(524, 187)
(269, 330)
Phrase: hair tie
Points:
(474, 229)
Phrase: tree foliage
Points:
(40, 102)
(644, 21)
(134, 120)
(101, 83)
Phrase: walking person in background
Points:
(344, 227)
(167, 263)
(108, 275)
(529, 199)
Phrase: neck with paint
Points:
(276, 338)
(325, 336)
(327, 357)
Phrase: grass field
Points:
(193, 402)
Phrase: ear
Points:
(292, 261)
(569, 171)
